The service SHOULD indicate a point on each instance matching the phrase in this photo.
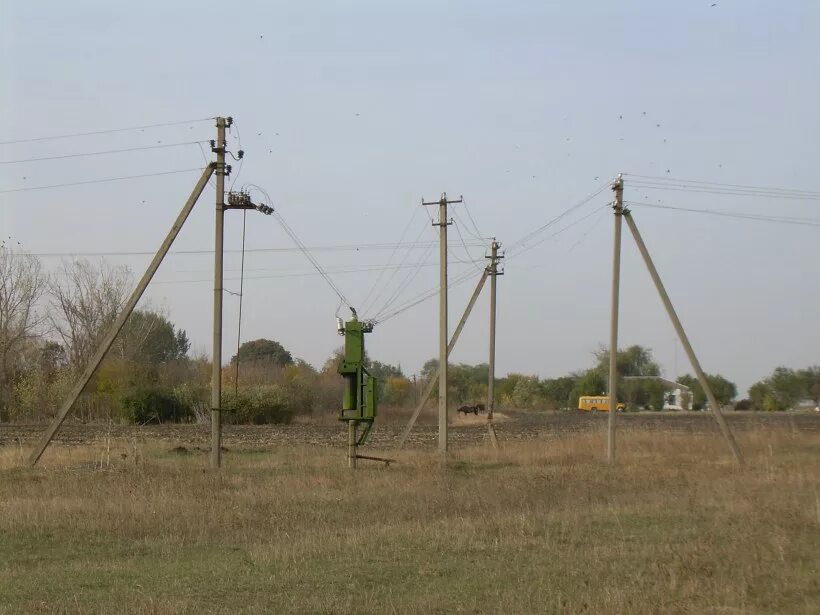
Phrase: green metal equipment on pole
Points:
(359, 397)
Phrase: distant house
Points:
(677, 397)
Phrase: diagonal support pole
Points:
(673, 316)
(431, 383)
(123, 317)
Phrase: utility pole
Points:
(428, 389)
(673, 316)
(121, 319)
(493, 273)
(218, 147)
(618, 208)
(443, 223)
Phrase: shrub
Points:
(258, 406)
(143, 405)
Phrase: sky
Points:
(351, 113)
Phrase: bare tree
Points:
(86, 299)
(22, 284)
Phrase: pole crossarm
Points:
(118, 324)
(431, 383)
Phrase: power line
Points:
(405, 283)
(320, 248)
(104, 152)
(300, 274)
(726, 191)
(741, 216)
(478, 234)
(304, 249)
(424, 296)
(364, 304)
(529, 236)
(470, 259)
(660, 178)
(100, 181)
(103, 132)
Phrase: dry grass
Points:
(541, 527)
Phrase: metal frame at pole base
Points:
(713, 405)
(352, 452)
(428, 390)
(617, 206)
(219, 236)
(108, 340)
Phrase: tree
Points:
(263, 350)
(22, 284)
(85, 301)
(590, 382)
(725, 390)
(557, 391)
(150, 338)
(634, 361)
(811, 377)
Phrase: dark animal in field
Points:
(475, 409)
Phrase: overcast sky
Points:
(351, 112)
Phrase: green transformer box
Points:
(359, 399)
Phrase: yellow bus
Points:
(596, 403)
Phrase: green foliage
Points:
(527, 392)
(149, 337)
(785, 388)
(263, 350)
(634, 361)
(725, 391)
(146, 405)
(258, 406)
(557, 392)
(590, 382)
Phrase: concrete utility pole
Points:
(428, 389)
(443, 223)
(219, 235)
(118, 324)
(673, 316)
(617, 207)
(493, 273)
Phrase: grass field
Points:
(139, 526)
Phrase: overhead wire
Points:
(470, 258)
(304, 249)
(737, 215)
(405, 283)
(726, 191)
(100, 181)
(664, 179)
(287, 274)
(425, 245)
(103, 152)
(366, 300)
(103, 132)
(522, 242)
(478, 234)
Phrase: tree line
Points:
(51, 323)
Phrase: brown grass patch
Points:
(540, 526)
